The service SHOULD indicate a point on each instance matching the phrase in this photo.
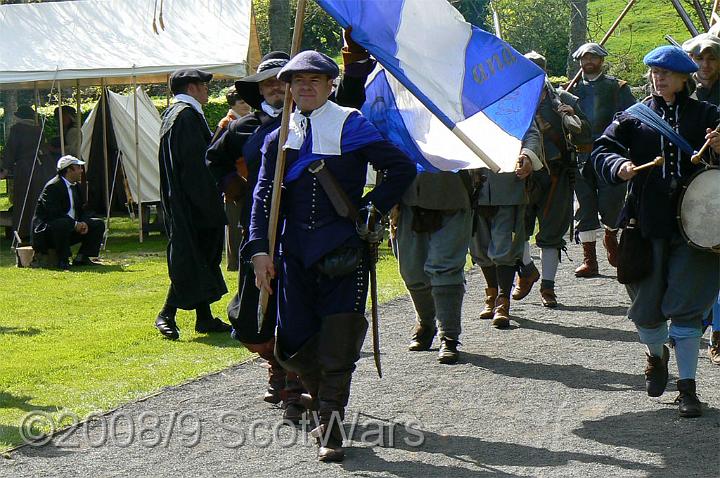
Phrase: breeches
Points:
(682, 287)
(305, 296)
(433, 258)
(553, 211)
(498, 240)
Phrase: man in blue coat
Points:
(322, 271)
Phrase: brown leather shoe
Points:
(548, 297)
(488, 310)
(589, 267)
(714, 348)
(501, 315)
(524, 285)
(329, 443)
(610, 241)
(422, 338)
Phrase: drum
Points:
(699, 210)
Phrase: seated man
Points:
(59, 220)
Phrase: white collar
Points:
(270, 110)
(327, 124)
(67, 183)
(191, 101)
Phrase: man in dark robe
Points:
(193, 208)
(24, 161)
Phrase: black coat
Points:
(193, 208)
(653, 194)
(54, 203)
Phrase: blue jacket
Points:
(653, 194)
(310, 226)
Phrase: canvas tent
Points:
(120, 125)
(58, 45)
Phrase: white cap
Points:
(68, 160)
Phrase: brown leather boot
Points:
(548, 297)
(714, 348)
(422, 338)
(589, 267)
(489, 309)
(610, 241)
(525, 282)
(501, 313)
(293, 408)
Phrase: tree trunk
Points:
(279, 25)
(578, 33)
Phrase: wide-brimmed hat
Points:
(25, 112)
(270, 65)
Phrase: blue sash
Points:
(651, 119)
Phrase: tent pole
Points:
(167, 92)
(78, 117)
(60, 119)
(36, 100)
(103, 107)
(137, 158)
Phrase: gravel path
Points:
(559, 394)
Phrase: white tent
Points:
(122, 117)
(87, 40)
(103, 42)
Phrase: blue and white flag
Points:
(441, 70)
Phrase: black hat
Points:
(309, 61)
(25, 112)
(180, 78)
(270, 65)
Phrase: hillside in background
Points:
(642, 30)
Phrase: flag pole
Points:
(280, 162)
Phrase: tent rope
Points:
(16, 237)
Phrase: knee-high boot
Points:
(340, 341)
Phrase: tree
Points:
(578, 32)
(279, 24)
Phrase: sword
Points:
(373, 240)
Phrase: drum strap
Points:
(652, 120)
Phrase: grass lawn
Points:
(84, 340)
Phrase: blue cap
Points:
(309, 61)
(671, 58)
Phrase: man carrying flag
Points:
(323, 265)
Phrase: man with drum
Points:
(704, 49)
(679, 282)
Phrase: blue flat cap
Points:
(593, 48)
(309, 61)
(670, 58)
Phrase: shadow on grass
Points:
(217, 340)
(471, 456)
(24, 332)
(8, 400)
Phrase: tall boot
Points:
(305, 364)
(589, 267)
(501, 312)
(340, 341)
(448, 307)
(490, 297)
(293, 408)
(276, 374)
(425, 328)
(610, 241)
